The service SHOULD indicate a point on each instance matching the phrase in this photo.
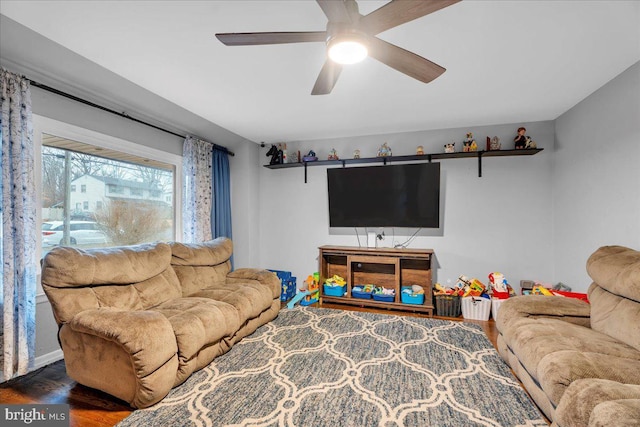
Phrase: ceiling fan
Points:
(350, 37)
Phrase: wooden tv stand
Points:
(387, 267)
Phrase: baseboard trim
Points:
(47, 359)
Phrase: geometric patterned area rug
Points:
(322, 367)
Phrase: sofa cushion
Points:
(558, 370)
(615, 293)
(533, 339)
(578, 403)
(625, 412)
(66, 267)
(198, 323)
(199, 266)
(615, 315)
(76, 280)
(250, 298)
(617, 270)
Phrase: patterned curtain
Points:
(196, 209)
(18, 233)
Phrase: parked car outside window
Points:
(81, 233)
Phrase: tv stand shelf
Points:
(424, 158)
(386, 267)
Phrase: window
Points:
(105, 167)
(116, 189)
(136, 192)
(73, 188)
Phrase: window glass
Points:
(123, 198)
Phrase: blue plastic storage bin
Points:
(383, 297)
(407, 297)
(334, 291)
(357, 292)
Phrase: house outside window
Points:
(106, 182)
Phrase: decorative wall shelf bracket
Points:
(411, 158)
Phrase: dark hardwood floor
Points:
(90, 407)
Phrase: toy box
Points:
(288, 284)
(495, 306)
(362, 291)
(334, 291)
(476, 308)
(408, 297)
(448, 305)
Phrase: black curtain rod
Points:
(117, 113)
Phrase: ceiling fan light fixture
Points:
(347, 50)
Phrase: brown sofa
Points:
(580, 362)
(136, 321)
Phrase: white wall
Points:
(596, 192)
(499, 222)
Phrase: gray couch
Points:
(580, 362)
(136, 321)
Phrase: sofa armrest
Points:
(536, 306)
(147, 336)
(129, 354)
(265, 277)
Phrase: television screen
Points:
(406, 195)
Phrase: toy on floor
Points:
(312, 286)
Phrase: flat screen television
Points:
(406, 195)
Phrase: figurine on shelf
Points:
(473, 146)
(333, 155)
(495, 143)
(469, 142)
(283, 148)
(530, 144)
(276, 155)
(294, 157)
(420, 150)
(450, 148)
(310, 157)
(384, 151)
(520, 139)
(356, 154)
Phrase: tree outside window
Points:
(126, 200)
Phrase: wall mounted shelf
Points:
(424, 158)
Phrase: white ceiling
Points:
(507, 61)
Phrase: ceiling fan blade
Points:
(404, 61)
(398, 12)
(327, 78)
(249, 39)
(336, 10)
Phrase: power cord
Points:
(408, 241)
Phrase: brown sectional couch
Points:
(136, 321)
(580, 362)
